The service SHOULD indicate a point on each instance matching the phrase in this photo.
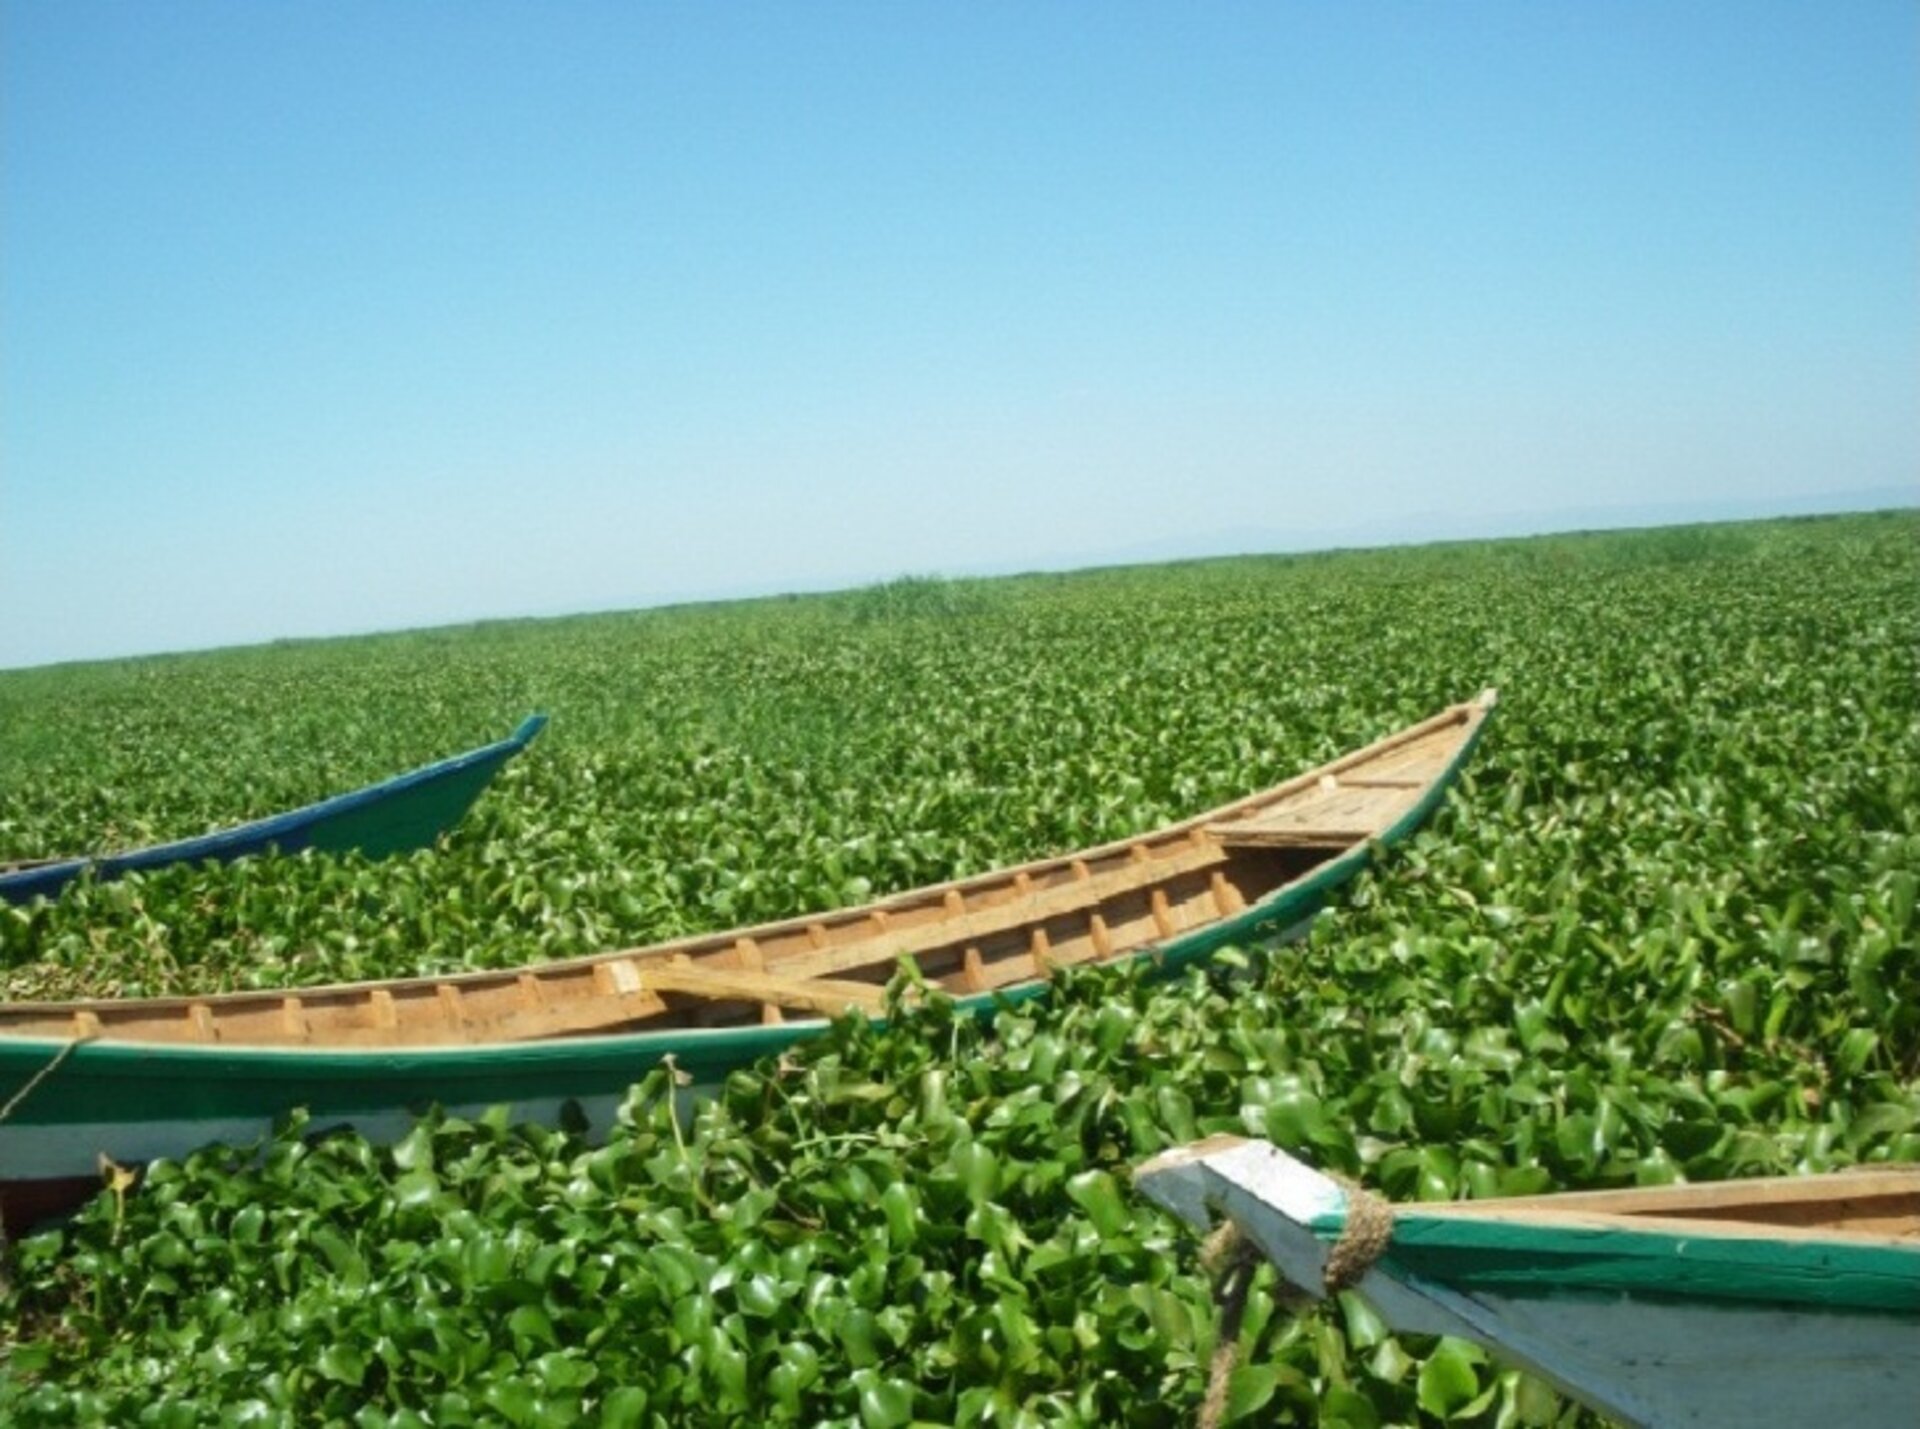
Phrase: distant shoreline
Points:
(1426, 529)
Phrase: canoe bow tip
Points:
(1186, 1180)
(1193, 1151)
(1197, 1181)
(529, 727)
(1178, 1186)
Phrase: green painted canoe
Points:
(138, 1079)
(405, 812)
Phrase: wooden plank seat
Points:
(827, 996)
(1335, 814)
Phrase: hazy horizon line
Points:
(1433, 527)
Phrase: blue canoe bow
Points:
(405, 812)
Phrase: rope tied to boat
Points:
(1363, 1239)
(14, 1102)
(1229, 1257)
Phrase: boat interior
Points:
(972, 935)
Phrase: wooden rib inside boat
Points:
(972, 936)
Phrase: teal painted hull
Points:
(1491, 1257)
(396, 815)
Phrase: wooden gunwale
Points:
(1694, 1227)
(963, 912)
(21, 865)
(1870, 1204)
(1704, 1197)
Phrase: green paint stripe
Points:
(109, 1082)
(1515, 1257)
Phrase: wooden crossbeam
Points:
(1257, 836)
(830, 996)
(627, 993)
(1350, 812)
(575, 1016)
(747, 953)
(458, 1023)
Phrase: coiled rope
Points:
(1229, 1257)
(1363, 1239)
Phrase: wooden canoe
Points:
(405, 812)
(137, 1079)
(1780, 1301)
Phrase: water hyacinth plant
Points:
(1665, 929)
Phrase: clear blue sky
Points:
(325, 318)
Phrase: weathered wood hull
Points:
(406, 812)
(1790, 1301)
(136, 1080)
